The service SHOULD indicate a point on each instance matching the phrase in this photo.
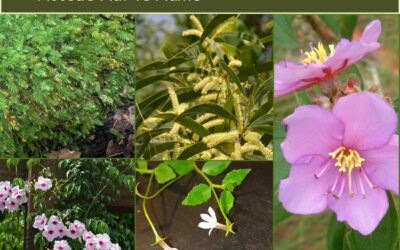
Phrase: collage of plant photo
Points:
(199, 132)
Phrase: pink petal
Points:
(290, 76)
(311, 130)
(382, 165)
(302, 192)
(369, 120)
(362, 214)
(371, 32)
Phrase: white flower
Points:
(40, 222)
(43, 184)
(210, 221)
(61, 245)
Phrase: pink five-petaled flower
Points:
(319, 65)
(103, 241)
(61, 245)
(40, 222)
(50, 232)
(43, 184)
(342, 159)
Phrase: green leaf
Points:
(153, 79)
(164, 173)
(235, 178)
(214, 168)
(336, 233)
(384, 236)
(209, 108)
(192, 150)
(342, 25)
(227, 199)
(163, 64)
(142, 164)
(187, 122)
(154, 149)
(213, 25)
(199, 194)
(233, 76)
(284, 33)
(181, 167)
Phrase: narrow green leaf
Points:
(213, 25)
(199, 194)
(164, 173)
(181, 167)
(209, 108)
(187, 122)
(284, 33)
(235, 178)
(227, 199)
(163, 64)
(232, 75)
(192, 150)
(214, 168)
(155, 149)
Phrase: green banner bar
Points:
(200, 6)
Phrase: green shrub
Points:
(59, 77)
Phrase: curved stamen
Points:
(360, 182)
(367, 179)
(335, 183)
(341, 189)
(351, 193)
(323, 170)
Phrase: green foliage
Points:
(198, 195)
(211, 83)
(235, 178)
(227, 199)
(164, 173)
(88, 188)
(60, 76)
(12, 230)
(214, 168)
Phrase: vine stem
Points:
(146, 214)
(213, 186)
(158, 192)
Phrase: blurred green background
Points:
(292, 34)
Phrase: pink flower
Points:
(103, 241)
(11, 204)
(50, 233)
(43, 184)
(62, 231)
(40, 222)
(319, 65)
(91, 244)
(342, 159)
(87, 235)
(61, 245)
(54, 222)
(3, 205)
(73, 231)
(19, 195)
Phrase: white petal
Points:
(209, 232)
(212, 213)
(205, 225)
(206, 217)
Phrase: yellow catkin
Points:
(182, 107)
(202, 83)
(216, 60)
(217, 138)
(222, 28)
(236, 154)
(174, 99)
(192, 32)
(196, 23)
(208, 97)
(205, 117)
(191, 77)
(235, 63)
(210, 85)
(238, 112)
(206, 155)
(254, 138)
(248, 148)
(152, 121)
(213, 123)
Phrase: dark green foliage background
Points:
(59, 77)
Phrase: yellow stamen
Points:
(318, 55)
(346, 160)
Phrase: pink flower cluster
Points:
(53, 228)
(11, 197)
(43, 184)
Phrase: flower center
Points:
(317, 55)
(346, 159)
